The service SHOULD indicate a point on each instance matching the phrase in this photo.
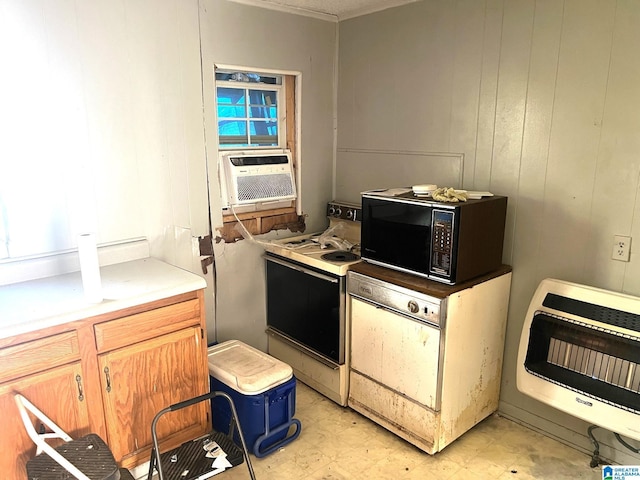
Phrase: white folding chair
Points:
(87, 458)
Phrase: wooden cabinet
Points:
(173, 372)
(109, 374)
(41, 369)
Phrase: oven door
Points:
(307, 306)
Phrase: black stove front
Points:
(307, 306)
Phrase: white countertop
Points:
(36, 304)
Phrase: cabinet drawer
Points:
(143, 326)
(37, 355)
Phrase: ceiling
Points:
(328, 9)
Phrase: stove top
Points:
(340, 256)
(306, 250)
(341, 242)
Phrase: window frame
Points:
(259, 221)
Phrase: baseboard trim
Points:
(611, 451)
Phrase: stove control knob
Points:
(332, 210)
(351, 214)
(413, 306)
(338, 212)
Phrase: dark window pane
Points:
(259, 127)
(263, 112)
(225, 111)
(262, 103)
(229, 141)
(232, 131)
(232, 127)
(231, 96)
(264, 141)
(262, 97)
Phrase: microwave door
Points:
(397, 234)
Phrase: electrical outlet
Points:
(621, 248)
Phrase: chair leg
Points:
(235, 419)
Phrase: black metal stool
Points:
(194, 459)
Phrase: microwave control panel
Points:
(442, 231)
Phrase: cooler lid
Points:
(246, 369)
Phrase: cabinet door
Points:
(140, 380)
(395, 351)
(57, 394)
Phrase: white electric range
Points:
(307, 318)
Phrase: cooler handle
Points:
(285, 426)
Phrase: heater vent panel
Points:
(598, 313)
(590, 360)
(580, 353)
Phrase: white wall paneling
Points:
(360, 170)
(106, 95)
(539, 96)
(248, 36)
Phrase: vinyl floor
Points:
(337, 443)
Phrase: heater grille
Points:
(592, 360)
(595, 365)
(580, 352)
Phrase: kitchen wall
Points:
(117, 89)
(541, 99)
(242, 35)
(111, 89)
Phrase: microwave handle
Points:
(302, 269)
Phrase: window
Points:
(248, 110)
(256, 111)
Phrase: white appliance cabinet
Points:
(426, 358)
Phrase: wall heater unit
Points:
(580, 353)
(258, 177)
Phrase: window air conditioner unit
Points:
(253, 178)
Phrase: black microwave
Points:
(446, 242)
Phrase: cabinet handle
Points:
(108, 377)
(80, 392)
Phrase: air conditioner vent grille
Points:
(258, 187)
(260, 180)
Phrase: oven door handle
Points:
(302, 269)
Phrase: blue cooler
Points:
(263, 390)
